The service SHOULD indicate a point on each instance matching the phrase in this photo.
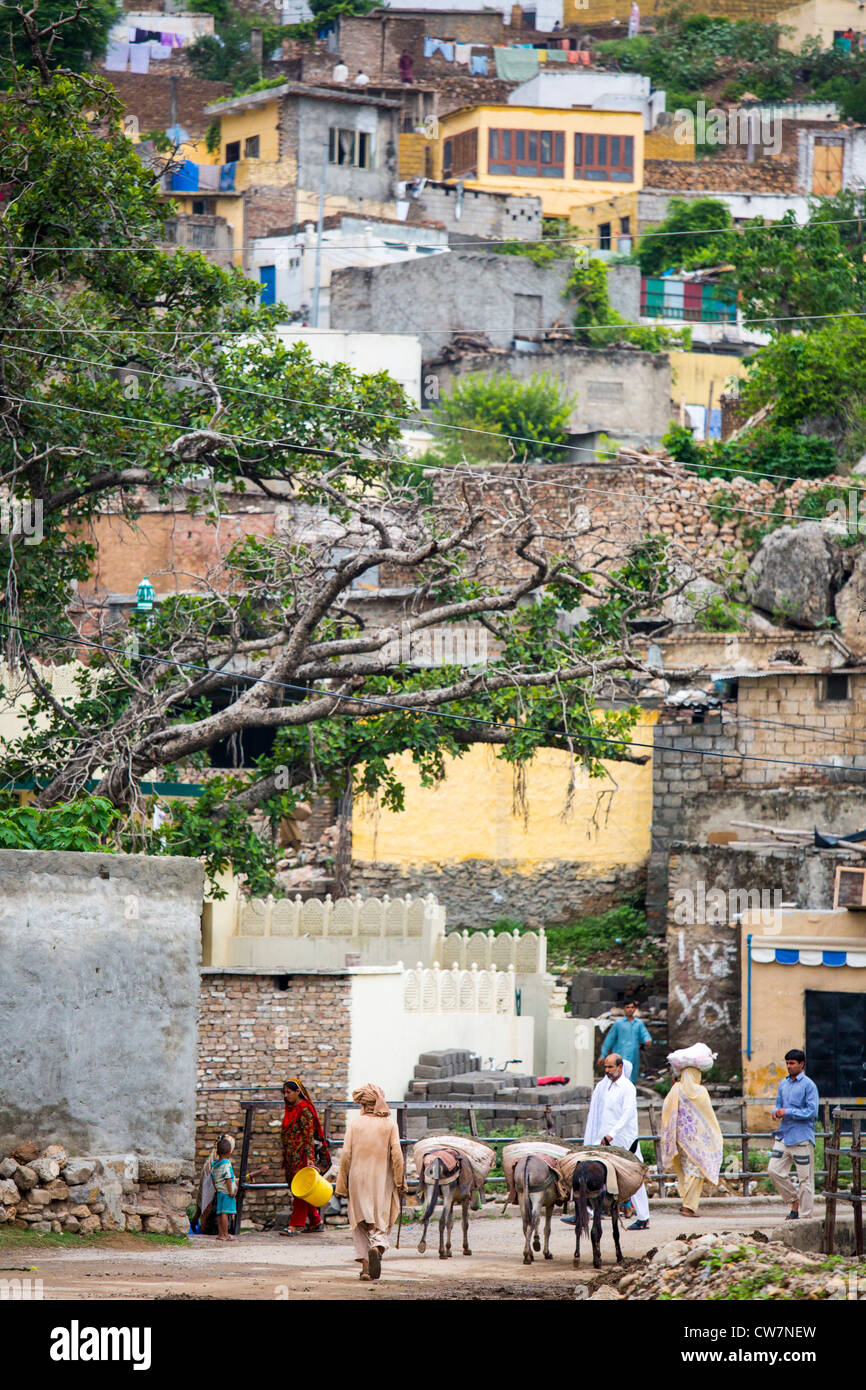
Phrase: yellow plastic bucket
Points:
(310, 1186)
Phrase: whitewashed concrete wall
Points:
(387, 1038)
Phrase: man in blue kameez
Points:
(627, 1036)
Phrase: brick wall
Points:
(148, 96)
(254, 1031)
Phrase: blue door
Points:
(268, 277)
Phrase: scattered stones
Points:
(72, 1225)
(58, 1153)
(24, 1178)
(89, 1224)
(159, 1169)
(9, 1195)
(605, 1292)
(26, 1152)
(157, 1224)
(43, 1227)
(77, 1171)
(46, 1169)
(81, 1211)
(732, 1266)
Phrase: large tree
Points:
(55, 33)
(122, 368)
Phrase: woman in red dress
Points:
(304, 1146)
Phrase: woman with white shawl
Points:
(691, 1140)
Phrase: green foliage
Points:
(681, 242)
(815, 379)
(534, 412)
(594, 315)
(85, 825)
(693, 55)
(774, 451)
(73, 437)
(796, 274)
(77, 43)
(719, 614)
(213, 137)
(539, 252)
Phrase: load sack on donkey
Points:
(553, 1154)
(625, 1172)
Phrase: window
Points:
(199, 206)
(604, 236)
(836, 688)
(606, 157)
(351, 147)
(233, 151)
(204, 236)
(528, 154)
(460, 155)
(625, 226)
(251, 147)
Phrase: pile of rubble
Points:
(310, 865)
(732, 1265)
(50, 1191)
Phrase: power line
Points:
(482, 242)
(390, 706)
(470, 473)
(428, 467)
(382, 415)
(670, 326)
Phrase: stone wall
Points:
(100, 958)
(478, 892)
(54, 1192)
(613, 389)
(704, 994)
(254, 1031)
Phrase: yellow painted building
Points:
(568, 158)
(804, 986)
(693, 373)
(472, 815)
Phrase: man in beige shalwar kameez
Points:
(371, 1176)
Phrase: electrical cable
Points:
(473, 474)
(390, 706)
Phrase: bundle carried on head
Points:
(699, 1055)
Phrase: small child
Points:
(226, 1187)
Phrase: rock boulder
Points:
(795, 574)
(851, 607)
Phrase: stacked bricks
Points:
(254, 1032)
(457, 1077)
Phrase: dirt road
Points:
(271, 1267)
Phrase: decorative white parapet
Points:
(525, 951)
(432, 990)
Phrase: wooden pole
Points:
(831, 1186)
(857, 1185)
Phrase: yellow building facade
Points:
(568, 158)
(796, 966)
(472, 815)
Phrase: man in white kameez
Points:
(612, 1119)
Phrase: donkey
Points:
(536, 1185)
(589, 1181)
(455, 1183)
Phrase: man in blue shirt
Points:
(796, 1110)
(627, 1036)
